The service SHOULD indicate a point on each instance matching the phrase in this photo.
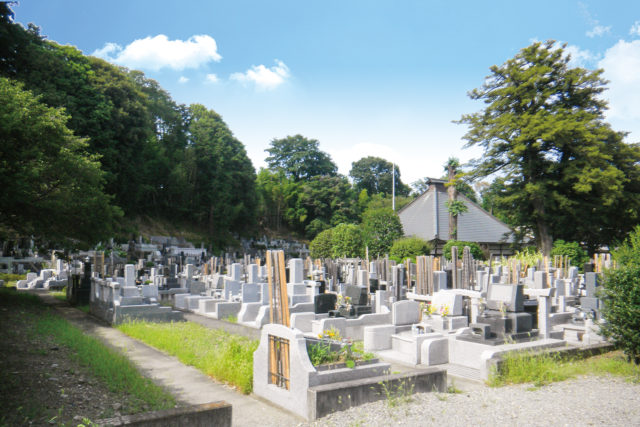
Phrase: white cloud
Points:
(263, 77)
(158, 52)
(107, 50)
(635, 29)
(598, 30)
(581, 58)
(211, 78)
(183, 79)
(621, 63)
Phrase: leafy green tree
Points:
(347, 241)
(124, 136)
(543, 130)
(222, 178)
(420, 186)
(51, 187)
(276, 193)
(165, 152)
(380, 228)
(476, 252)
(620, 296)
(374, 174)
(322, 245)
(326, 199)
(409, 248)
(576, 254)
(299, 158)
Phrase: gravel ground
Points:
(590, 400)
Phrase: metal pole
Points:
(393, 187)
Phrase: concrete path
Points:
(186, 383)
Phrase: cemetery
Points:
(155, 270)
(438, 319)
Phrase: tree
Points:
(299, 158)
(346, 241)
(409, 247)
(321, 246)
(221, 176)
(454, 206)
(542, 130)
(52, 187)
(476, 252)
(380, 228)
(576, 254)
(620, 296)
(325, 201)
(374, 174)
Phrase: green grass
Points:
(223, 356)
(114, 369)
(545, 368)
(10, 280)
(61, 295)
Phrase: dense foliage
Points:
(565, 173)
(380, 228)
(409, 247)
(299, 158)
(51, 185)
(621, 298)
(347, 241)
(322, 245)
(476, 252)
(376, 175)
(573, 250)
(157, 157)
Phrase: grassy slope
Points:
(223, 356)
(113, 368)
(520, 368)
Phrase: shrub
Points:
(576, 254)
(629, 252)
(346, 241)
(380, 228)
(476, 252)
(409, 247)
(620, 296)
(320, 247)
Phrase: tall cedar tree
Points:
(566, 173)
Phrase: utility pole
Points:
(393, 187)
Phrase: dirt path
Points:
(186, 383)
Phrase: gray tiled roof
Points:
(427, 217)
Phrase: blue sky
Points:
(382, 78)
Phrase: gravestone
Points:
(250, 292)
(591, 302)
(252, 273)
(449, 299)
(511, 296)
(323, 303)
(296, 271)
(540, 280)
(129, 275)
